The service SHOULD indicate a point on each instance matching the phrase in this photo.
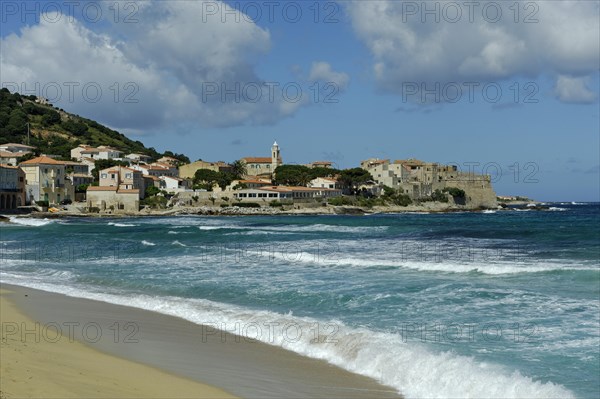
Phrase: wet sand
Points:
(36, 363)
(244, 367)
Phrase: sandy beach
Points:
(45, 364)
(162, 356)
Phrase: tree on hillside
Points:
(350, 179)
(292, 175)
(206, 179)
(239, 169)
(180, 157)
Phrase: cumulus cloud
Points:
(574, 90)
(322, 71)
(175, 64)
(479, 44)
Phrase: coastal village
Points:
(133, 182)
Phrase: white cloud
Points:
(564, 40)
(322, 71)
(573, 90)
(170, 58)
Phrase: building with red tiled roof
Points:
(45, 180)
(123, 178)
(264, 166)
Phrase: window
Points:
(112, 175)
(128, 175)
(252, 195)
(262, 195)
(45, 170)
(272, 195)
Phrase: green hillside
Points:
(54, 131)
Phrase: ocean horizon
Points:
(500, 304)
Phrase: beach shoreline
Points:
(183, 350)
(43, 363)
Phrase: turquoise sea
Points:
(494, 304)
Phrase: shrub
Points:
(439, 196)
(225, 205)
(402, 200)
(155, 202)
(248, 205)
(455, 192)
(43, 203)
(339, 201)
(94, 209)
(275, 203)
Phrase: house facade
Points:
(113, 199)
(123, 178)
(173, 184)
(324, 182)
(188, 171)
(45, 180)
(8, 158)
(12, 187)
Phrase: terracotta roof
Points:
(257, 159)
(8, 154)
(151, 177)
(42, 161)
(112, 169)
(102, 188)
(3, 165)
(322, 163)
(127, 191)
(81, 175)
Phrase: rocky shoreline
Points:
(207, 210)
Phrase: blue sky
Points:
(154, 70)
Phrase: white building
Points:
(8, 158)
(173, 184)
(19, 149)
(323, 182)
(285, 193)
(137, 158)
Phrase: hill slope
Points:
(54, 131)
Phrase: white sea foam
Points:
(299, 254)
(412, 368)
(488, 211)
(554, 208)
(33, 222)
(178, 243)
(148, 243)
(121, 224)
